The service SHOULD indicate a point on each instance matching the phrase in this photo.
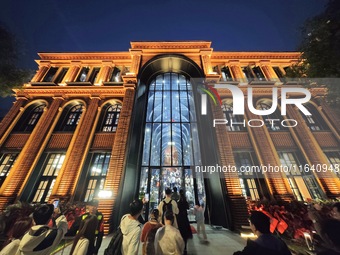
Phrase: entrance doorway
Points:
(171, 146)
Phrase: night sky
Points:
(80, 25)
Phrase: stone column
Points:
(24, 164)
(104, 73)
(76, 154)
(268, 70)
(43, 67)
(260, 138)
(236, 70)
(72, 72)
(117, 164)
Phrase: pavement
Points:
(220, 241)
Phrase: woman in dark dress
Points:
(182, 219)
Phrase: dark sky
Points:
(82, 25)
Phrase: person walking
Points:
(131, 229)
(175, 196)
(199, 217)
(19, 229)
(167, 204)
(83, 243)
(41, 239)
(149, 232)
(168, 239)
(182, 219)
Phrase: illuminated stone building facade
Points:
(119, 125)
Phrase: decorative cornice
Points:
(255, 55)
(85, 56)
(171, 45)
(70, 91)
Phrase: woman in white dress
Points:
(84, 239)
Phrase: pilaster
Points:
(117, 161)
(22, 168)
(72, 73)
(68, 176)
(260, 138)
(43, 67)
(328, 180)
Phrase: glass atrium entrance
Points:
(171, 144)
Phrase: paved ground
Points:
(219, 242)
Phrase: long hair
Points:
(19, 229)
(87, 229)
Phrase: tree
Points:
(320, 49)
(10, 75)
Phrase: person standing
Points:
(199, 217)
(131, 229)
(149, 232)
(168, 239)
(266, 243)
(164, 205)
(91, 209)
(182, 219)
(85, 237)
(175, 196)
(19, 229)
(41, 239)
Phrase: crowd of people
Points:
(166, 232)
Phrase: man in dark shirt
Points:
(266, 243)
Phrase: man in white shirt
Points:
(168, 239)
(131, 229)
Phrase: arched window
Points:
(30, 118)
(171, 144)
(110, 118)
(272, 121)
(70, 118)
(235, 122)
(315, 121)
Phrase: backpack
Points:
(115, 245)
(167, 207)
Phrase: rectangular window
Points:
(248, 179)
(61, 75)
(292, 161)
(94, 75)
(258, 73)
(50, 171)
(96, 174)
(50, 74)
(334, 158)
(82, 77)
(115, 75)
(278, 72)
(247, 73)
(7, 161)
(226, 74)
